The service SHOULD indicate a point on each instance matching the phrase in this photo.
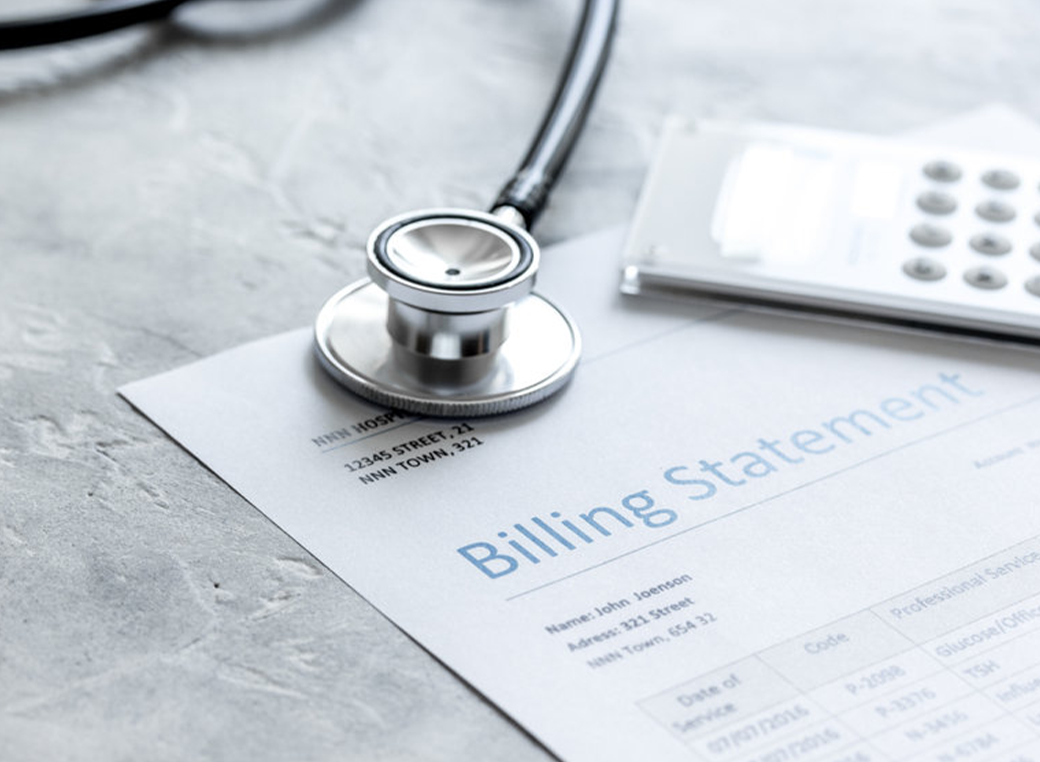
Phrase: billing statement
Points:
(736, 537)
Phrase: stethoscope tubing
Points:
(98, 19)
(527, 191)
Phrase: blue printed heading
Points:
(542, 538)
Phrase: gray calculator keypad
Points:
(990, 244)
(1001, 179)
(932, 236)
(947, 234)
(995, 210)
(937, 202)
(989, 278)
(924, 268)
(942, 171)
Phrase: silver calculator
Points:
(841, 223)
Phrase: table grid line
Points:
(870, 609)
(941, 667)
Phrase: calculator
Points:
(841, 223)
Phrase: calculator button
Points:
(1001, 179)
(943, 171)
(1033, 285)
(924, 268)
(985, 277)
(995, 211)
(936, 202)
(1034, 251)
(991, 244)
(930, 235)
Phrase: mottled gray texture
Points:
(168, 194)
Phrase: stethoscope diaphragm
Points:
(447, 323)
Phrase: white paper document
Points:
(736, 537)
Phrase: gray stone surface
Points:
(169, 193)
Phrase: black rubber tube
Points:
(88, 22)
(528, 189)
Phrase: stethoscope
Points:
(447, 322)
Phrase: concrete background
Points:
(170, 192)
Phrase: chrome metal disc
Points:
(537, 358)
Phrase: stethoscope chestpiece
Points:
(447, 323)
